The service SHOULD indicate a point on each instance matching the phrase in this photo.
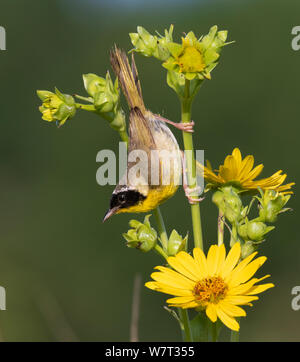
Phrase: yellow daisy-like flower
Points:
(241, 174)
(216, 283)
(195, 58)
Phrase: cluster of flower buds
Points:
(193, 60)
(249, 233)
(152, 45)
(142, 236)
(271, 205)
(56, 107)
(229, 203)
(106, 99)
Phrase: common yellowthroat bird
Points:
(147, 132)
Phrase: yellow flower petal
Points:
(240, 267)
(215, 259)
(212, 259)
(211, 312)
(178, 279)
(231, 260)
(188, 261)
(201, 263)
(180, 300)
(231, 309)
(239, 299)
(246, 167)
(248, 271)
(170, 281)
(185, 305)
(159, 287)
(260, 288)
(177, 264)
(227, 320)
(236, 153)
(244, 288)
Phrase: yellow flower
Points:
(56, 107)
(195, 58)
(216, 283)
(190, 59)
(241, 174)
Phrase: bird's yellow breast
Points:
(155, 197)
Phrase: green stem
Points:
(235, 335)
(184, 316)
(214, 333)
(220, 228)
(161, 228)
(161, 252)
(87, 99)
(186, 105)
(86, 107)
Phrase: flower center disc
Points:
(211, 289)
(191, 60)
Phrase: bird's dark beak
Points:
(110, 213)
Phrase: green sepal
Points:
(203, 330)
(176, 243)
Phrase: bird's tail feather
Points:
(128, 78)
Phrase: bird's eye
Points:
(121, 198)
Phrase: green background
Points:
(67, 275)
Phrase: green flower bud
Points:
(176, 243)
(242, 230)
(256, 230)
(106, 98)
(93, 83)
(272, 203)
(253, 230)
(151, 45)
(247, 248)
(143, 41)
(142, 236)
(104, 102)
(56, 107)
(229, 202)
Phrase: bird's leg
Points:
(186, 127)
(187, 190)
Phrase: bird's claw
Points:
(186, 126)
(191, 199)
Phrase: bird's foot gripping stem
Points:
(189, 192)
(182, 126)
(186, 126)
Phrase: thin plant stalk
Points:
(186, 106)
(161, 228)
(184, 317)
(220, 228)
(235, 335)
(161, 252)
